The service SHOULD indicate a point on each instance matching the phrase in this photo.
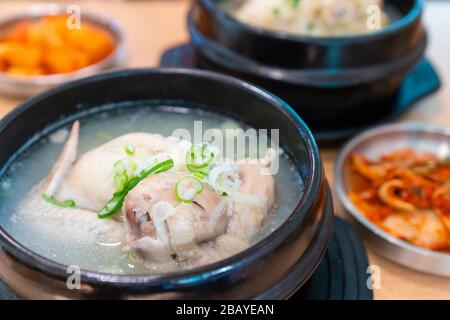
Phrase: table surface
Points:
(152, 26)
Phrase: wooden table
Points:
(152, 26)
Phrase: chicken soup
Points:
(117, 192)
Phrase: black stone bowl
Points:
(273, 268)
(328, 80)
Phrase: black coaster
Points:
(342, 274)
(419, 83)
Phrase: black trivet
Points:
(419, 83)
(342, 274)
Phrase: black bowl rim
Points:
(312, 187)
(238, 63)
(405, 21)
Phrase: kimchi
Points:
(405, 193)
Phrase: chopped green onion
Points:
(124, 170)
(129, 149)
(63, 204)
(105, 136)
(116, 202)
(295, 3)
(120, 180)
(199, 173)
(276, 11)
(200, 156)
(199, 159)
(187, 188)
(125, 166)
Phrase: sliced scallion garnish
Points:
(105, 136)
(199, 175)
(116, 202)
(200, 156)
(199, 172)
(295, 3)
(124, 171)
(187, 188)
(69, 203)
(129, 149)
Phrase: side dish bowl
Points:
(273, 268)
(373, 144)
(355, 76)
(24, 86)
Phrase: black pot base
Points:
(422, 81)
(340, 275)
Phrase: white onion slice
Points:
(160, 212)
(178, 149)
(224, 177)
(246, 198)
(216, 215)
